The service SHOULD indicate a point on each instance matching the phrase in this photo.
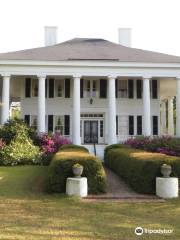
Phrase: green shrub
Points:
(20, 151)
(139, 168)
(61, 168)
(73, 147)
(13, 127)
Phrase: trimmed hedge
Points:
(137, 167)
(73, 147)
(61, 168)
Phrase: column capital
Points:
(41, 76)
(111, 76)
(6, 75)
(146, 77)
(77, 75)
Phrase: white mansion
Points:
(92, 90)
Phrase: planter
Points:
(166, 170)
(77, 170)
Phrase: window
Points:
(88, 88)
(34, 121)
(101, 128)
(131, 125)
(34, 88)
(94, 88)
(139, 125)
(59, 124)
(59, 88)
(122, 88)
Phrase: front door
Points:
(90, 131)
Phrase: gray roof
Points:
(90, 49)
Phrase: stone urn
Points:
(166, 170)
(77, 170)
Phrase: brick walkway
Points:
(119, 190)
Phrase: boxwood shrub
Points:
(137, 167)
(73, 147)
(61, 168)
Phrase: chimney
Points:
(50, 35)
(124, 35)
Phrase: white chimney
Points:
(50, 35)
(124, 35)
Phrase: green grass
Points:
(27, 212)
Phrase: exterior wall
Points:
(64, 106)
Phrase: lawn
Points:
(27, 212)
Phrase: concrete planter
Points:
(77, 170)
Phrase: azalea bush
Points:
(50, 144)
(164, 144)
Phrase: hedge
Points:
(61, 168)
(73, 147)
(137, 167)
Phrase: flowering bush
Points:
(164, 144)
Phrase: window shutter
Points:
(116, 87)
(131, 88)
(46, 88)
(139, 125)
(66, 125)
(67, 88)
(27, 119)
(51, 88)
(28, 87)
(117, 127)
(155, 125)
(81, 87)
(103, 88)
(139, 88)
(131, 125)
(154, 89)
(50, 123)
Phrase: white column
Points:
(5, 99)
(146, 107)
(178, 107)
(170, 117)
(41, 104)
(76, 110)
(163, 117)
(111, 111)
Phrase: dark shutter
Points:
(139, 88)
(103, 88)
(46, 88)
(131, 125)
(66, 125)
(51, 88)
(139, 125)
(28, 87)
(154, 89)
(67, 88)
(155, 125)
(81, 87)
(116, 88)
(117, 125)
(50, 123)
(27, 119)
(130, 88)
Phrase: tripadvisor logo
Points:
(138, 230)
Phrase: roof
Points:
(90, 49)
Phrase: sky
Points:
(154, 23)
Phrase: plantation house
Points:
(92, 90)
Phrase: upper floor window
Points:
(59, 87)
(90, 88)
(34, 88)
(122, 88)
